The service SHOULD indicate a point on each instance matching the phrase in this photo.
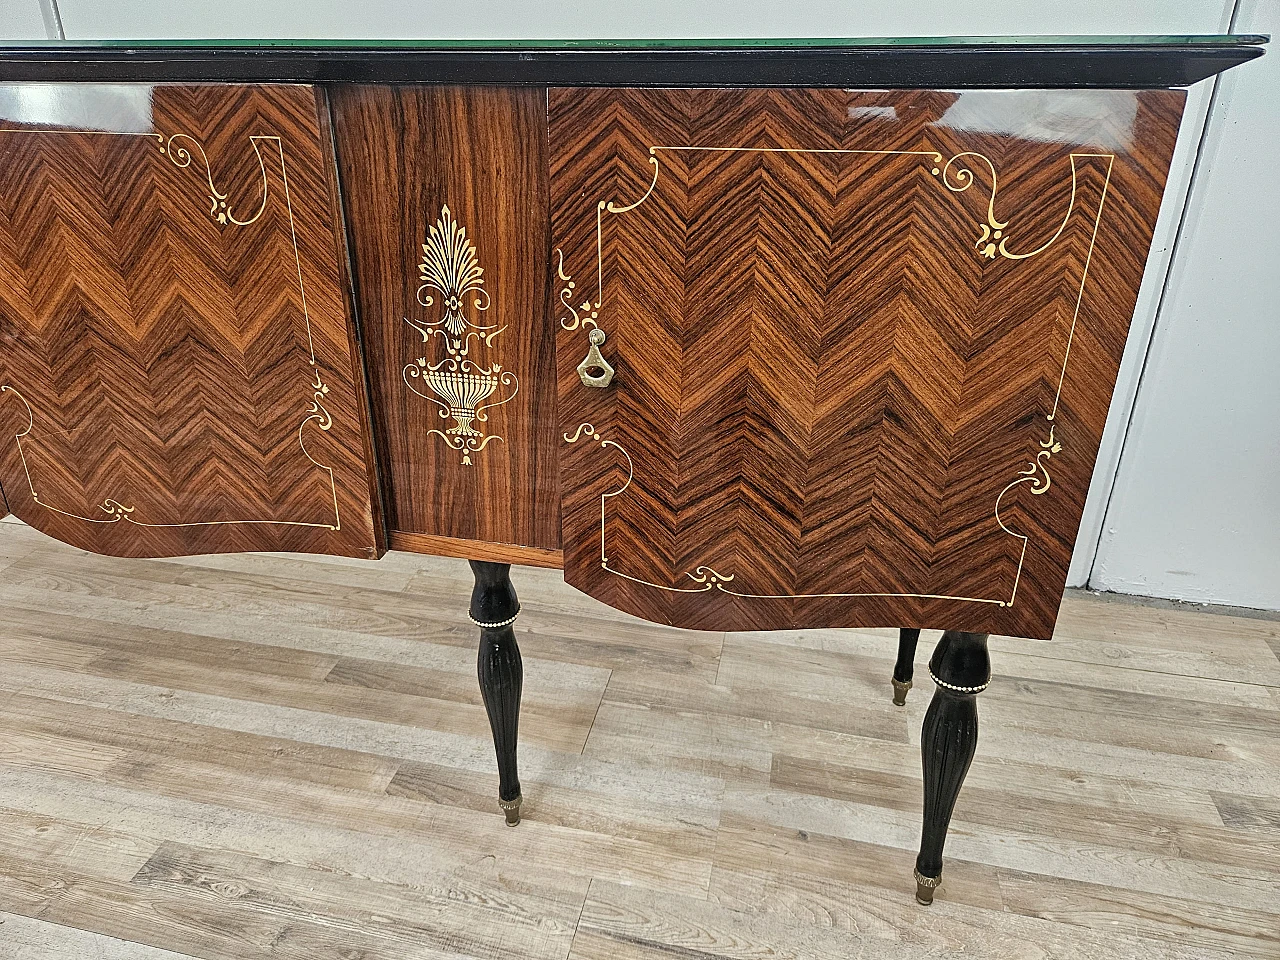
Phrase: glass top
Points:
(677, 44)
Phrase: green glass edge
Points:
(658, 44)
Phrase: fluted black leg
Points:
(905, 668)
(493, 609)
(961, 669)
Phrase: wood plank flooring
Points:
(287, 757)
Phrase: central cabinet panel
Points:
(445, 192)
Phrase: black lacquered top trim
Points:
(948, 63)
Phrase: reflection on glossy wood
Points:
(176, 373)
(865, 345)
(445, 192)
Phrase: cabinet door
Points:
(176, 367)
(864, 345)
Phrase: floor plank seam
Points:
(578, 923)
(1131, 669)
(595, 716)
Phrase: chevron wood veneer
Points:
(408, 153)
(176, 370)
(865, 345)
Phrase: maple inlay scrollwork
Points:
(460, 384)
(993, 236)
(173, 148)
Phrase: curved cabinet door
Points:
(864, 345)
(176, 366)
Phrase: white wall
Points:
(21, 20)
(590, 19)
(1140, 331)
(1195, 512)
(1136, 551)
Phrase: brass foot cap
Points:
(925, 887)
(900, 688)
(512, 810)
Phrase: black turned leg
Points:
(905, 668)
(961, 669)
(493, 609)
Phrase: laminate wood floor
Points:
(287, 757)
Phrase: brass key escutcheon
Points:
(595, 371)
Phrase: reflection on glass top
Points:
(721, 43)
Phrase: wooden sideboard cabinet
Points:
(801, 334)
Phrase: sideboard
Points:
(755, 335)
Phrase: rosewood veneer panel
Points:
(446, 200)
(865, 345)
(176, 367)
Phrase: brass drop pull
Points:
(595, 371)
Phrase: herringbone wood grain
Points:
(824, 386)
(181, 382)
